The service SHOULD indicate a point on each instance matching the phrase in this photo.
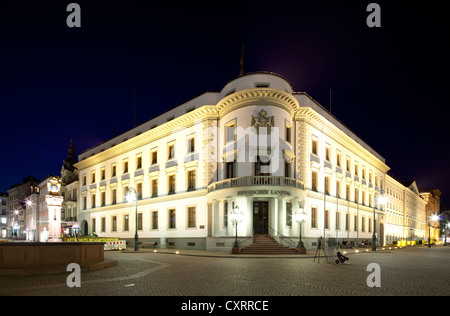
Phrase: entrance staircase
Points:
(263, 244)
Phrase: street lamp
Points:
(130, 198)
(382, 201)
(300, 217)
(433, 217)
(447, 226)
(236, 217)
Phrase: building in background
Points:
(43, 210)
(433, 199)
(32, 216)
(4, 214)
(17, 200)
(69, 190)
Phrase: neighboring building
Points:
(17, 199)
(32, 217)
(404, 211)
(4, 214)
(433, 199)
(255, 148)
(69, 190)
(43, 209)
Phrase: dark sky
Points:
(388, 84)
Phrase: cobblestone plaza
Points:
(405, 272)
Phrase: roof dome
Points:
(256, 80)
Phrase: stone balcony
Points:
(255, 181)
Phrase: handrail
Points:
(256, 181)
(291, 242)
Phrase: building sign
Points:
(264, 192)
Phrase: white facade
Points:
(194, 165)
(4, 213)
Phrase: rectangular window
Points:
(139, 162)
(328, 153)
(327, 219)
(327, 185)
(288, 214)
(347, 192)
(313, 217)
(191, 145)
(155, 220)
(262, 167)
(171, 152)
(338, 159)
(114, 224)
(126, 222)
(154, 157)
(191, 180)
(172, 223)
(125, 167)
(103, 198)
(113, 196)
(139, 223)
(230, 170)
(93, 177)
(113, 171)
(225, 214)
(315, 146)
(356, 195)
(154, 187)
(171, 181)
(370, 225)
(93, 200)
(288, 134)
(230, 131)
(139, 190)
(102, 174)
(84, 202)
(363, 224)
(103, 224)
(347, 221)
(125, 193)
(191, 217)
(314, 181)
(348, 164)
(94, 229)
(84, 180)
(355, 223)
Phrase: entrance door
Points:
(260, 217)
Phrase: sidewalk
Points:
(310, 253)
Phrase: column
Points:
(249, 215)
(216, 221)
(281, 215)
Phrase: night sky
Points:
(389, 84)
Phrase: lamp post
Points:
(300, 217)
(130, 198)
(447, 226)
(236, 217)
(434, 218)
(382, 201)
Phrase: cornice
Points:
(258, 96)
(206, 112)
(316, 120)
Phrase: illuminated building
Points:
(256, 147)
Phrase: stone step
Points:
(266, 245)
